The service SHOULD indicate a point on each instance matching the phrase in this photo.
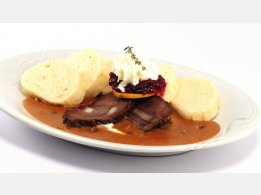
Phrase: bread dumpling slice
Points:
(90, 67)
(197, 99)
(168, 73)
(56, 82)
(107, 68)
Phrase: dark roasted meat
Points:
(105, 109)
(146, 114)
(151, 113)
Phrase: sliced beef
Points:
(106, 109)
(151, 113)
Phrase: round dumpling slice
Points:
(168, 73)
(56, 82)
(90, 67)
(197, 99)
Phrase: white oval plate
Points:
(238, 115)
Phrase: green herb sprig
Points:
(128, 49)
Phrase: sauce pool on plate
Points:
(180, 131)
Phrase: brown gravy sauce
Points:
(180, 131)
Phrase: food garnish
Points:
(128, 49)
(135, 77)
(143, 89)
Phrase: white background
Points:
(230, 51)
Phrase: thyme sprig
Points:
(128, 50)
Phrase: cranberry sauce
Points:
(143, 87)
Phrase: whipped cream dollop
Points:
(131, 73)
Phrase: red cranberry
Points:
(143, 87)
